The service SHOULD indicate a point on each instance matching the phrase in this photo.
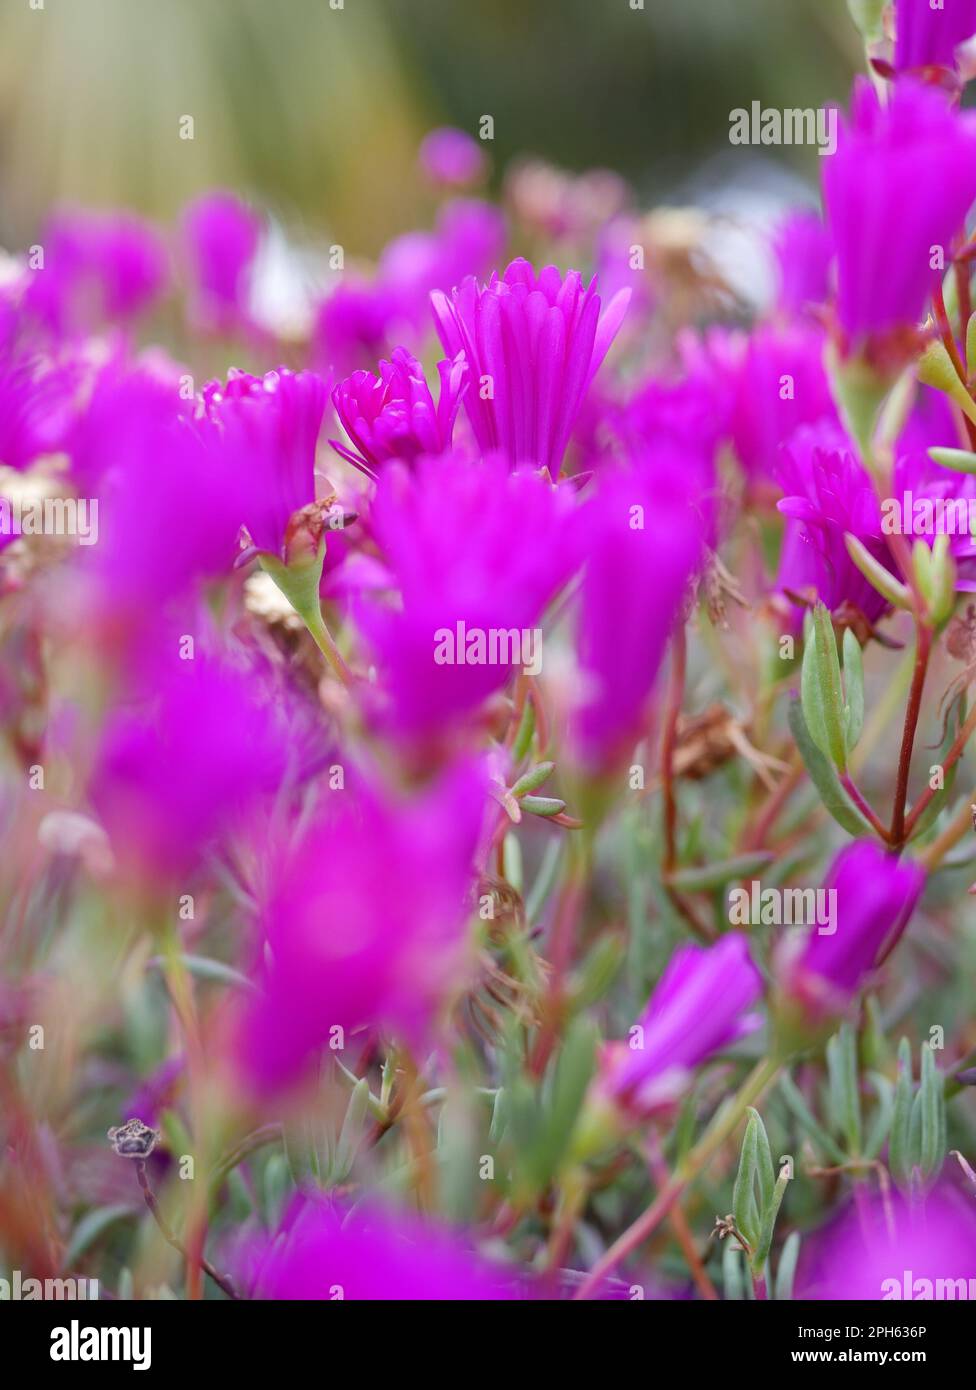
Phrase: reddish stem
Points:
(922, 650)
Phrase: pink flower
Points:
(920, 1250)
(900, 184)
(473, 550)
(829, 493)
(928, 35)
(267, 429)
(221, 234)
(804, 253)
(98, 268)
(37, 399)
(354, 323)
(393, 415)
(364, 922)
(373, 1253)
(533, 344)
(468, 238)
(643, 541)
(702, 1003)
(452, 158)
(174, 776)
(780, 384)
(875, 896)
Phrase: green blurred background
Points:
(318, 111)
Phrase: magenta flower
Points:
(394, 415)
(468, 239)
(475, 554)
(364, 922)
(471, 238)
(129, 407)
(926, 36)
(780, 384)
(354, 324)
(690, 407)
(875, 896)
(804, 253)
(533, 344)
(170, 509)
(98, 268)
(174, 778)
(37, 401)
(452, 158)
(894, 1250)
(898, 188)
(921, 488)
(267, 430)
(374, 1253)
(221, 236)
(828, 493)
(643, 539)
(613, 254)
(702, 1003)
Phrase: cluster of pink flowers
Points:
(378, 622)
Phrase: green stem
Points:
(721, 1128)
(923, 648)
(325, 642)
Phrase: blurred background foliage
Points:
(318, 111)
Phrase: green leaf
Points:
(768, 1224)
(706, 877)
(533, 778)
(845, 1101)
(512, 860)
(881, 1123)
(825, 779)
(765, 1171)
(744, 1207)
(545, 881)
(353, 1131)
(542, 805)
(958, 460)
(204, 968)
(499, 1116)
(574, 1070)
(526, 728)
(932, 1116)
(877, 576)
(804, 1117)
(598, 970)
(935, 369)
(786, 1270)
(733, 1282)
(91, 1226)
(853, 689)
(899, 1158)
(821, 692)
(277, 1187)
